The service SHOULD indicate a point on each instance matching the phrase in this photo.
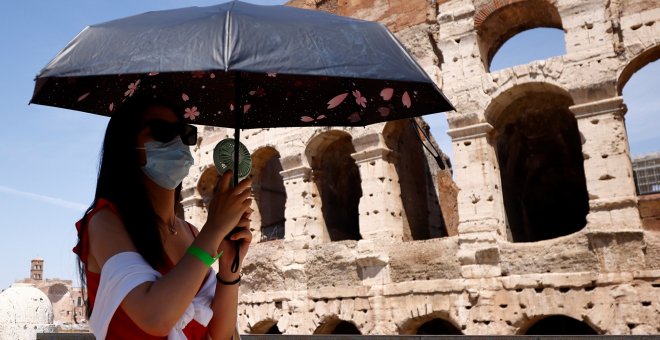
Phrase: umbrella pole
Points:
(238, 108)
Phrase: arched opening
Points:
(539, 154)
(523, 48)
(638, 83)
(498, 21)
(56, 292)
(438, 327)
(334, 325)
(337, 178)
(207, 183)
(269, 193)
(422, 217)
(560, 325)
(266, 327)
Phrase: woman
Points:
(146, 270)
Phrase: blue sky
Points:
(50, 156)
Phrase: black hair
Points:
(120, 181)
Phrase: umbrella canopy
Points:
(243, 66)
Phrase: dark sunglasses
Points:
(164, 131)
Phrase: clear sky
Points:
(50, 156)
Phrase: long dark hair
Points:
(121, 182)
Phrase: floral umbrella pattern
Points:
(270, 99)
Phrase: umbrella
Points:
(241, 66)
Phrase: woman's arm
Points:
(156, 306)
(225, 302)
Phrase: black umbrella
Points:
(240, 66)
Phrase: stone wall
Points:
(603, 273)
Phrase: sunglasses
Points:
(164, 131)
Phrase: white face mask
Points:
(167, 163)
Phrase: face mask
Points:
(167, 163)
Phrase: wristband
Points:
(228, 283)
(202, 255)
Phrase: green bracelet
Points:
(203, 256)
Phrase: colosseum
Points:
(534, 226)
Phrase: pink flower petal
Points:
(252, 93)
(246, 108)
(321, 117)
(355, 117)
(231, 107)
(111, 107)
(384, 111)
(387, 93)
(405, 99)
(152, 74)
(306, 119)
(212, 76)
(83, 96)
(184, 97)
(337, 100)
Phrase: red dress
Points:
(121, 326)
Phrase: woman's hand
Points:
(230, 207)
(242, 237)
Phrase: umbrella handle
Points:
(237, 245)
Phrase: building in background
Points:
(647, 173)
(39, 305)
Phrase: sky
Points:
(50, 156)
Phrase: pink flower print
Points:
(387, 93)
(405, 99)
(131, 88)
(259, 92)
(246, 108)
(308, 119)
(197, 74)
(355, 117)
(191, 113)
(384, 111)
(111, 107)
(83, 96)
(184, 97)
(359, 99)
(337, 100)
(231, 107)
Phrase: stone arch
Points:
(335, 325)
(422, 217)
(207, 183)
(268, 326)
(539, 154)
(636, 63)
(57, 291)
(557, 324)
(338, 181)
(436, 323)
(269, 193)
(497, 21)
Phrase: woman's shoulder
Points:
(107, 234)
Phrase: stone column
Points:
(480, 203)
(304, 218)
(380, 206)
(607, 165)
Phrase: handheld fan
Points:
(223, 158)
(224, 155)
